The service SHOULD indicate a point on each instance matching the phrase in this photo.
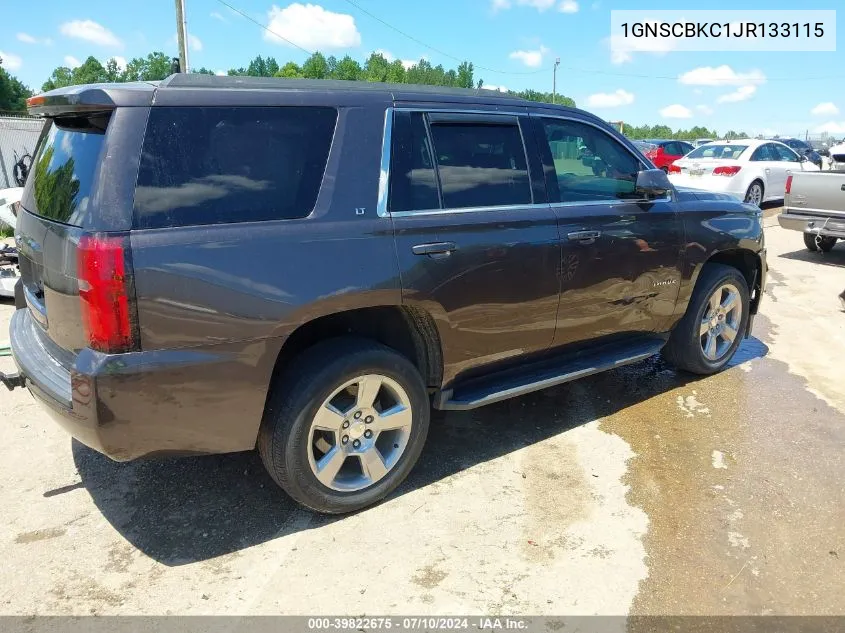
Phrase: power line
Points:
(440, 52)
(269, 30)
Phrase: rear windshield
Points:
(60, 184)
(215, 165)
(717, 150)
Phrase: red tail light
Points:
(789, 184)
(104, 272)
(732, 170)
(674, 169)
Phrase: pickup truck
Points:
(814, 203)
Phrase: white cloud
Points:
(825, 109)
(540, 5)
(194, 42)
(496, 88)
(217, 16)
(721, 76)
(220, 73)
(532, 59)
(676, 111)
(622, 50)
(26, 38)
(704, 109)
(831, 127)
(568, 6)
(90, 31)
(610, 99)
(743, 93)
(410, 63)
(72, 62)
(120, 61)
(10, 61)
(312, 27)
(385, 53)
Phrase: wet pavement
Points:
(637, 491)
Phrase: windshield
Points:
(718, 150)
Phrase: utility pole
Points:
(182, 35)
(554, 80)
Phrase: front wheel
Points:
(708, 335)
(345, 426)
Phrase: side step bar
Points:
(514, 383)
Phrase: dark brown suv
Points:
(215, 264)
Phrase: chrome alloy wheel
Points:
(359, 433)
(721, 321)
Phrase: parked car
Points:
(802, 148)
(701, 141)
(752, 170)
(8, 197)
(815, 205)
(644, 146)
(308, 267)
(667, 152)
(837, 157)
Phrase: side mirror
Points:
(652, 183)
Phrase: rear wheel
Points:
(345, 427)
(754, 195)
(710, 332)
(821, 243)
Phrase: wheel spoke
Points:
(329, 465)
(715, 301)
(368, 389)
(397, 417)
(705, 327)
(728, 333)
(710, 347)
(328, 418)
(730, 302)
(373, 465)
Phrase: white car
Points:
(837, 157)
(754, 171)
(7, 198)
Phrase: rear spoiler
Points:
(91, 98)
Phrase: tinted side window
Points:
(218, 165)
(413, 184)
(685, 148)
(673, 149)
(785, 154)
(589, 163)
(763, 153)
(480, 164)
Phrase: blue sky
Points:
(772, 92)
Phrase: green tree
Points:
(348, 69)
(13, 94)
(376, 68)
(90, 72)
(61, 77)
(203, 71)
(290, 70)
(153, 67)
(113, 73)
(465, 75)
(315, 67)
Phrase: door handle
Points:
(435, 250)
(584, 237)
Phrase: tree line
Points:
(638, 132)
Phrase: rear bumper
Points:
(197, 401)
(826, 226)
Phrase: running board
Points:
(513, 383)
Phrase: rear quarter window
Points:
(61, 182)
(216, 165)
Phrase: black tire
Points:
(748, 194)
(810, 242)
(298, 393)
(683, 350)
(826, 244)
